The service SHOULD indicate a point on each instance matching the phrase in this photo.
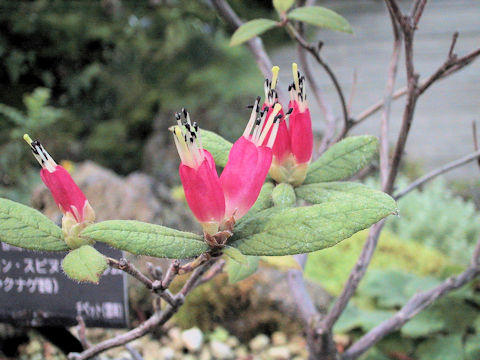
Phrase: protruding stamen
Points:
(275, 71)
(295, 76)
(188, 141)
(253, 116)
(42, 156)
(268, 125)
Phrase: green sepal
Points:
(84, 264)
(343, 160)
(27, 228)
(142, 238)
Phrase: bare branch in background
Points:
(135, 354)
(255, 45)
(315, 52)
(159, 317)
(387, 100)
(415, 305)
(433, 174)
(475, 139)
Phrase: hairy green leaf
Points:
(340, 191)
(84, 264)
(217, 146)
(283, 195)
(25, 227)
(447, 347)
(235, 255)
(141, 238)
(321, 17)
(305, 229)
(282, 5)
(237, 272)
(343, 159)
(251, 29)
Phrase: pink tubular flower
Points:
(213, 200)
(67, 195)
(293, 147)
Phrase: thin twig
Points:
(387, 101)
(475, 139)
(157, 319)
(415, 305)
(315, 52)
(82, 333)
(441, 170)
(214, 271)
(135, 354)
(255, 45)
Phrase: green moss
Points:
(332, 266)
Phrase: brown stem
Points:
(157, 319)
(415, 305)
(441, 170)
(315, 52)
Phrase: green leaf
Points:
(355, 318)
(84, 264)
(25, 227)
(264, 200)
(217, 146)
(344, 191)
(448, 347)
(472, 350)
(283, 195)
(253, 223)
(343, 160)
(237, 272)
(282, 6)
(141, 238)
(235, 255)
(305, 229)
(321, 17)
(251, 29)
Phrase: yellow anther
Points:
(28, 139)
(295, 77)
(275, 71)
(276, 109)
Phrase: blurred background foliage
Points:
(121, 68)
(100, 80)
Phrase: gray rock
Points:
(221, 351)
(279, 353)
(259, 343)
(193, 339)
(279, 338)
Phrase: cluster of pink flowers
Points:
(268, 144)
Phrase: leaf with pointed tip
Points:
(217, 146)
(340, 191)
(283, 195)
(305, 229)
(251, 29)
(321, 17)
(282, 6)
(84, 264)
(27, 228)
(343, 160)
(141, 238)
(237, 272)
